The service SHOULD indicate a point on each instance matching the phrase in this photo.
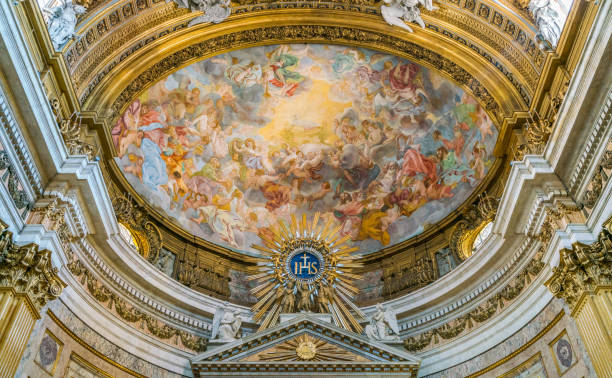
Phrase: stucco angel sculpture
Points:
(214, 11)
(398, 12)
(383, 319)
(62, 21)
(549, 19)
(226, 325)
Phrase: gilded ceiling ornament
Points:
(215, 11)
(583, 268)
(398, 12)
(28, 270)
(311, 263)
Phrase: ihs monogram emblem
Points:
(306, 268)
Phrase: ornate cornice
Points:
(28, 270)
(483, 312)
(583, 268)
(132, 314)
(19, 145)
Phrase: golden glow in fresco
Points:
(379, 145)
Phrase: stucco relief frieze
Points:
(601, 129)
(483, 312)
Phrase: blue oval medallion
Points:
(304, 265)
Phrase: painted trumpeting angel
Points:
(398, 12)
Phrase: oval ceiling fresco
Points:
(229, 145)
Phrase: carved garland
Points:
(554, 217)
(323, 33)
(131, 314)
(583, 268)
(481, 313)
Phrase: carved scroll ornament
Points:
(28, 270)
(583, 268)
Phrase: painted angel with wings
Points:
(383, 319)
(398, 12)
(226, 325)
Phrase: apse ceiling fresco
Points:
(378, 145)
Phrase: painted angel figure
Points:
(383, 319)
(62, 22)
(398, 12)
(226, 325)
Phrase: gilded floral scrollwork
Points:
(73, 131)
(137, 220)
(28, 270)
(583, 268)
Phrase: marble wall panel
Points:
(531, 340)
(74, 357)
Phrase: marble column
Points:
(584, 280)
(27, 282)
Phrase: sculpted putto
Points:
(226, 325)
(398, 12)
(61, 22)
(215, 11)
(383, 319)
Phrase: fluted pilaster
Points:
(584, 280)
(27, 282)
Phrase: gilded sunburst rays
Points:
(307, 348)
(310, 262)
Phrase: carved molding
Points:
(131, 314)
(136, 219)
(73, 133)
(474, 219)
(481, 313)
(28, 270)
(583, 268)
(321, 33)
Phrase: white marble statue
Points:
(549, 19)
(398, 12)
(383, 319)
(226, 325)
(214, 11)
(61, 22)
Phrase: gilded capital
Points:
(28, 270)
(583, 268)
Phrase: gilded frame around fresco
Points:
(182, 58)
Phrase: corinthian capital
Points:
(28, 270)
(583, 268)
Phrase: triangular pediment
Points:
(305, 345)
